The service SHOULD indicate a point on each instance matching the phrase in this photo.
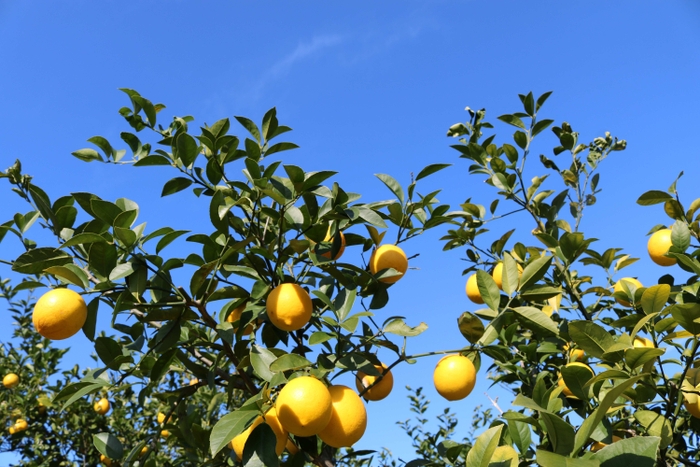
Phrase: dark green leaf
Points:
(591, 337)
(37, 260)
(109, 445)
(431, 169)
(174, 185)
(259, 450)
(471, 327)
(653, 197)
(228, 427)
(289, 361)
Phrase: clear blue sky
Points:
(368, 88)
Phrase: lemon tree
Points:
(281, 288)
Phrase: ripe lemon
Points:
(21, 425)
(59, 314)
(348, 418)
(144, 450)
(388, 256)
(575, 354)
(643, 342)
(341, 250)
(235, 316)
(10, 380)
(565, 390)
(164, 433)
(304, 406)
(631, 284)
(161, 418)
(193, 381)
(498, 274)
(454, 377)
(289, 307)
(658, 246)
(102, 406)
(12, 430)
(473, 290)
(504, 456)
(105, 460)
(291, 447)
(282, 435)
(598, 445)
(381, 389)
(691, 401)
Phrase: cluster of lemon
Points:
(9, 381)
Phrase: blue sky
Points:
(368, 88)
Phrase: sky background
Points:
(368, 88)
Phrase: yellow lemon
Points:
(498, 274)
(632, 283)
(144, 450)
(304, 406)
(164, 433)
(388, 256)
(59, 314)
(161, 418)
(12, 430)
(380, 389)
(102, 406)
(341, 250)
(289, 307)
(565, 390)
(10, 380)
(473, 290)
(291, 447)
(643, 342)
(575, 354)
(658, 246)
(691, 401)
(348, 418)
(105, 460)
(235, 316)
(454, 377)
(193, 381)
(21, 425)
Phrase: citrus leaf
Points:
(488, 289)
(471, 327)
(484, 446)
(592, 338)
(109, 445)
(655, 297)
(639, 451)
(550, 459)
(535, 271)
(228, 427)
(289, 361)
(37, 260)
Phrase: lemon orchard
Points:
(284, 290)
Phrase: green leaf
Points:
(121, 271)
(175, 185)
(535, 320)
(680, 235)
(169, 238)
(488, 289)
(393, 185)
(108, 350)
(510, 276)
(37, 260)
(484, 446)
(187, 149)
(228, 427)
(656, 425)
(512, 120)
(91, 321)
(535, 271)
(560, 433)
(637, 357)
(289, 361)
(639, 451)
(70, 273)
(83, 238)
(431, 169)
(251, 127)
(521, 434)
(591, 337)
(152, 160)
(576, 378)
(259, 450)
(399, 327)
(471, 327)
(592, 421)
(87, 155)
(653, 197)
(688, 316)
(655, 297)
(109, 445)
(550, 459)
(261, 359)
(279, 147)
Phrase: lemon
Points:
(304, 406)
(289, 307)
(144, 450)
(59, 314)
(498, 274)
(341, 250)
(658, 246)
(12, 430)
(565, 390)
(105, 460)
(575, 354)
(473, 290)
(643, 342)
(161, 418)
(10, 380)
(291, 447)
(21, 425)
(282, 435)
(235, 316)
(193, 381)
(386, 257)
(164, 433)
(378, 390)
(102, 406)
(348, 418)
(691, 401)
(632, 283)
(454, 377)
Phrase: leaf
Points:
(471, 327)
(289, 361)
(560, 433)
(637, 357)
(511, 274)
(228, 427)
(488, 289)
(535, 320)
(109, 445)
(639, 451)
(576, 378)
(591, 337)
(656, 425)
(535, 271)
(261, 359)
(37, 260)
(259, 450)
(399, 327)
(251, 127)
(431, 169)
(187, 149)
(680, 235)
(121, 271)
(83, 238)
(520, 433)
(175, 185)
(108, 350)
(512, 120)
(484, 446)
(687, 315)
(550, 459)
(87, 155)
(69, 273)
(653, 197)
(655, 297)
(393, 185)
